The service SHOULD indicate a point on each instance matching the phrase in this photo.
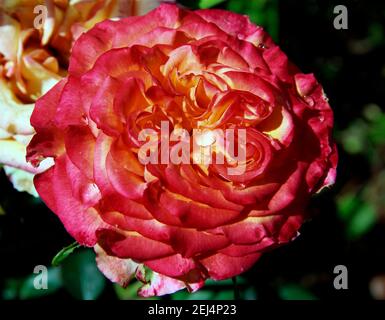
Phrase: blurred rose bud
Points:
(377, 287)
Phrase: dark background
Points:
(348, 221)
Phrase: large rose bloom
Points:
(187, 223)
(33, 60)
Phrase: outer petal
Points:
(232, 23)
(220, 266)
(160, 285)
(21, 180)
(131, 245)
(115, 269)
(113, 34)
(54, 187)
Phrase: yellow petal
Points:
(49, 23)
(10, 31)
(12, 153)
(21, 180)
(15, 116)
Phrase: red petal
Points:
(220, 266)
(190, 242)
(252, 83)
(70, 109)
(132, 245)
(80, 147)
(114, 34)
(54, 187)
(243, 250)
(45, 107)
(177, 267)
(232, 23)
(125, 182)
(195, 215)
(116, 202)
(151, 229)
(102, 149)
(102, 107)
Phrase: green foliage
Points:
(11, 289)
(204, 295)
(365, 135)
(78, 274)
(218, 290)
(28, 291)
(64, 253)
(130, 293)
(81, 277)
(250, 294)
(204, 4)
(355, 138)
(24, 288)
(358, 216)
(376, 34)
(363, 219)
(358, 207)
(295, 292)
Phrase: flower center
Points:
(205, 138)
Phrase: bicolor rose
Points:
(187, 222)
(34, 51)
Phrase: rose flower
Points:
(34, 51)
(187, 221)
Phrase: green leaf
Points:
(199, 295)
(227, 282)
(250, 294)
(346, 205)
(64, 253)
(295, 292)
(376, 33)
(224, 295)
(377, 129)
(204, 4)
(2, 211)
(355, 138)
(362, 221)
(28, 290)
(81, 276)
(11, 289)
(129, 293)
